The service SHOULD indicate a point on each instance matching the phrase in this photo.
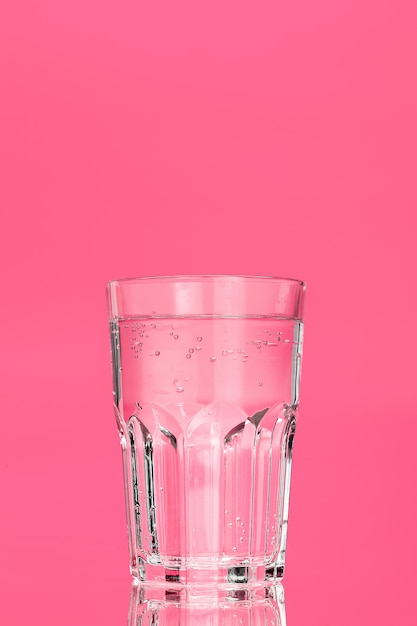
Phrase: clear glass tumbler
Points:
(206, 390)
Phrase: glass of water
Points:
(206, 374)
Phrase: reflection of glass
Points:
(206, 386)
(163, 606)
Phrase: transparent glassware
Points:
(153, 605)
(206, 374)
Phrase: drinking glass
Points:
(206, 373)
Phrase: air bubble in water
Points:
(157, 353)
(191, 350)
(180, 389)
(171, 333)
(199, 339)
(176, 336)
(188, 355)
(212, 359)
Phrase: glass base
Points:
(228, 577)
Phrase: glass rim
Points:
(197, 277)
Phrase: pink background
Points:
(208, 136)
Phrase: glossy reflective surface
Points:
(234, 607)
(117, 603)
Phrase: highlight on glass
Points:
(206, 373)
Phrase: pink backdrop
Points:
(206, 136)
